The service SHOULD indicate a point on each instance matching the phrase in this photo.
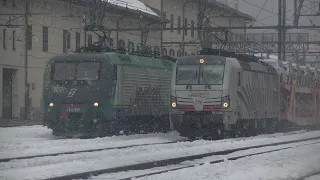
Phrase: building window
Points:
(192, 28)
(77, 40)
(130, 47)
(171, 52)
(172, 22)
(89, 40)
(29, 37)
(156, 50)
(66, 41)
(138, 47)
(179, 25)
(4, 39)
(111, 43)
(149, 49)
(45, 38)
(179, 53)
(185, 25)
(164, 15)
(4, 2)
(164, 52)
(121, 44)
(13, 40)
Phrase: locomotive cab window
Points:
(196, 72)
(187, 74)
(68, 71)
(212, 74)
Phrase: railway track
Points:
(89, 150)
(178, 160)
(221, 160)
(102, 149)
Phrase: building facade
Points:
(56, 27)
(184, 13)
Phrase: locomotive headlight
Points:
(225, 105)
(96, 104)
(225, 102)
(173, 102)
(51, 105)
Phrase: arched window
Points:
(138, 47)
(171, 52)
(164, 52)
(111, 43)
(121, 44)
(156, 50)
(130, 47)
(178, 53)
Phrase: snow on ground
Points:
(47, 167)
(316, 177)
(134, 5)
(25, 133)
(37, 140)
(130, 174)
(280, 165)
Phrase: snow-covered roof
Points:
(264, 55)
(134, 5)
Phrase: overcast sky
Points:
(265, 11)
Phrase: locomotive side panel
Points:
(257, 95)
(143, 90)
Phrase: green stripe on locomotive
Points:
(110, 59)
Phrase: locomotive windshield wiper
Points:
(189, 84)
(205, 80)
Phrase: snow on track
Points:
(15, 143)
(280, 165)
(24, 134)
(187, 164)
(37, 140)
(39, 168)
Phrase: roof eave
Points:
(147, 16)
(232, 10)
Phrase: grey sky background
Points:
(266, 13)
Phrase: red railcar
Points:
(300, 95)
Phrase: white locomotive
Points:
(218, 92)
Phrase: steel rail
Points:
(166, 162)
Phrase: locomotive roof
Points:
(142, 61)
(119, 59)
(249, 65)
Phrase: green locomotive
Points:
(106, 93)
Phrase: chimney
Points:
(236, 5)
